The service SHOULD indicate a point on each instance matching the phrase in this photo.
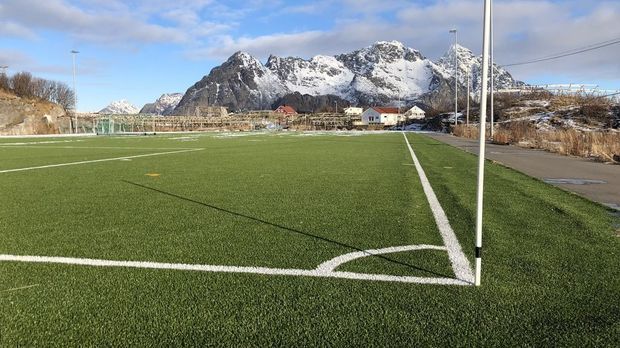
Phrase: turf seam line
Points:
(95, 161)
(460, 263)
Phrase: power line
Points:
(569, 52)
(608, 95)
(585, 47)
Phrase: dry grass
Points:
(469, 132)
(602, 145)
(599, 145)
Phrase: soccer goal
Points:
(111, 125)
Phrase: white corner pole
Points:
(482, 140)
(492, 73)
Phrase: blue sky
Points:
(139, 49)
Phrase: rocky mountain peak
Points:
(164, 105)
(244, 59)
(120, 107)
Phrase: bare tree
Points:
(64, 96)
(5, 84)
(43, 89)
(21, 84)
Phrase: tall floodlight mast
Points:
(73, 54)
(456, 74)
(468, 95)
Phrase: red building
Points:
(286, 110)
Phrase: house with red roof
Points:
(386, 116)
(286, 110)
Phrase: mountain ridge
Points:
(386, 72)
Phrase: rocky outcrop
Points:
(20, 116)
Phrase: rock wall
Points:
(19, 116)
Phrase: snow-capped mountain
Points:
(467, 61)
(120, 107)
(164, 105)
(383, 73)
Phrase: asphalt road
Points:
(596, 181)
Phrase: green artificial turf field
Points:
(291, 202)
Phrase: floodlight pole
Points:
(492, 72)
(482, 140)
(73, 53)
(468, 83)
(456, 75)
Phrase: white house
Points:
(382, 115)
(353, 111)
(415, 113)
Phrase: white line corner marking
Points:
(324, 270)
(327, 269)
(96, 161)
(460, 264)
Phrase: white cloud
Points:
(11, 29)
(108, 22)
(524, 29)
(18, 61)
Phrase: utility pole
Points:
(482, 141)
(73, 53)
(492, 73)
(336, 106)
(456, 74)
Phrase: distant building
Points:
(382, 115)
(286, 110)
(353, 111)
(415, 113)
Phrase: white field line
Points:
(40, 142)
(317, 272)
(43, 136)
(95, 161)
(95, 147)
(460, 264)
(20, 288)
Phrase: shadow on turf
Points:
(284, 228)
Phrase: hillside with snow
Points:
(164, 105)
(120, 107)
(386, 72)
